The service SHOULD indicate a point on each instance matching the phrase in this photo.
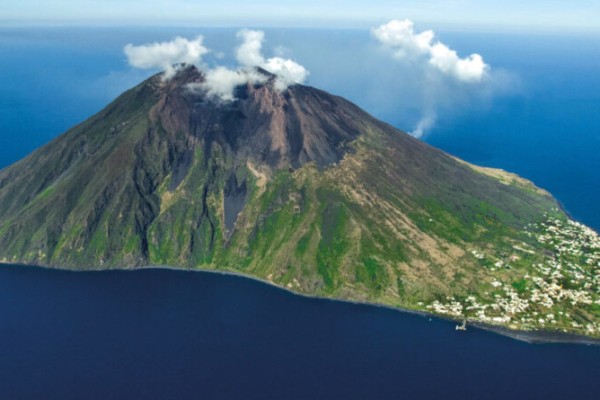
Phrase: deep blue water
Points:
(185, 335)
(166, 334)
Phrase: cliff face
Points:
(298, 187)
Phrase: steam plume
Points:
(166, 55)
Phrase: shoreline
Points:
(531, 337)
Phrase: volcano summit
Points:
(303, 189)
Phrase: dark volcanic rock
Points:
(281, 128)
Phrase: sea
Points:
(164, 334)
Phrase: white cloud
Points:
(221, 82)
(443, 81)
(249, 54)
(470, 69)
(401, 37)
(165, 54)
(287, 71)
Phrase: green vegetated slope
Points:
(307, 191)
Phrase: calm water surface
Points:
(157, 334)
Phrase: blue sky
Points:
(576, 15)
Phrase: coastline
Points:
(531, 337)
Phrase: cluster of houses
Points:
(560, 293)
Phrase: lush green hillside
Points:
(305, 190)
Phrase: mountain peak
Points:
(188, 76)
(281, 128)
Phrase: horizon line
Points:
(318, 24)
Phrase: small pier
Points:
(462, 327)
